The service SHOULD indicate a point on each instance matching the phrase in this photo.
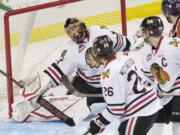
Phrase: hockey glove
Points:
(97, 125)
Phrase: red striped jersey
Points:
(124, 91)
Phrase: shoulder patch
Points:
(174, 42)
(105, 74)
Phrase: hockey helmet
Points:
(102, 46)
(170, 7)
(75, 29)
(153, 25)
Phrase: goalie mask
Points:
(76, 29)
(150, 26)
(170, 7)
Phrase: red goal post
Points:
(35, 8)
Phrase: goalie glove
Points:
(97, 125)
(138, 41)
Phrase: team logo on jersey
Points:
(174, 42)
(105, 74)
(161, 76)
(81, 47)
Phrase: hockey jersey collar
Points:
(159, 43)
(113, 58)
(87, 37)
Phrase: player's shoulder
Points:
(121, 61)
(172, 42)
(71, 47)
(145, 49)
(98, 30)
(94, 27)
(70, 43)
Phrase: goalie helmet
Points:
(76, 29)
(170, 7)
(102, 46)
(153, 25)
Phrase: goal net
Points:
(34, 34)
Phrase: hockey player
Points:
(171, 10)
(127, 98)
(75, 58)
(161, 66)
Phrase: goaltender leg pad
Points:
(74, 107)
(78, 109)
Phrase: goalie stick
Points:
(51, 108)
(55, 111)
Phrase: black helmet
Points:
(170, 7)
(153, 25)
(102, 46)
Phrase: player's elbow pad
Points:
(128, 44)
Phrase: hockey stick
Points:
(55, 111)
(71, 88)
(9, 77)
(51, 108)
(168, 94)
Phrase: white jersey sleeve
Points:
(67, 63)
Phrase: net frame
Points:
(7, 16)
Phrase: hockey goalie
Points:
(28, 108)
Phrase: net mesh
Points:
(37, 37)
